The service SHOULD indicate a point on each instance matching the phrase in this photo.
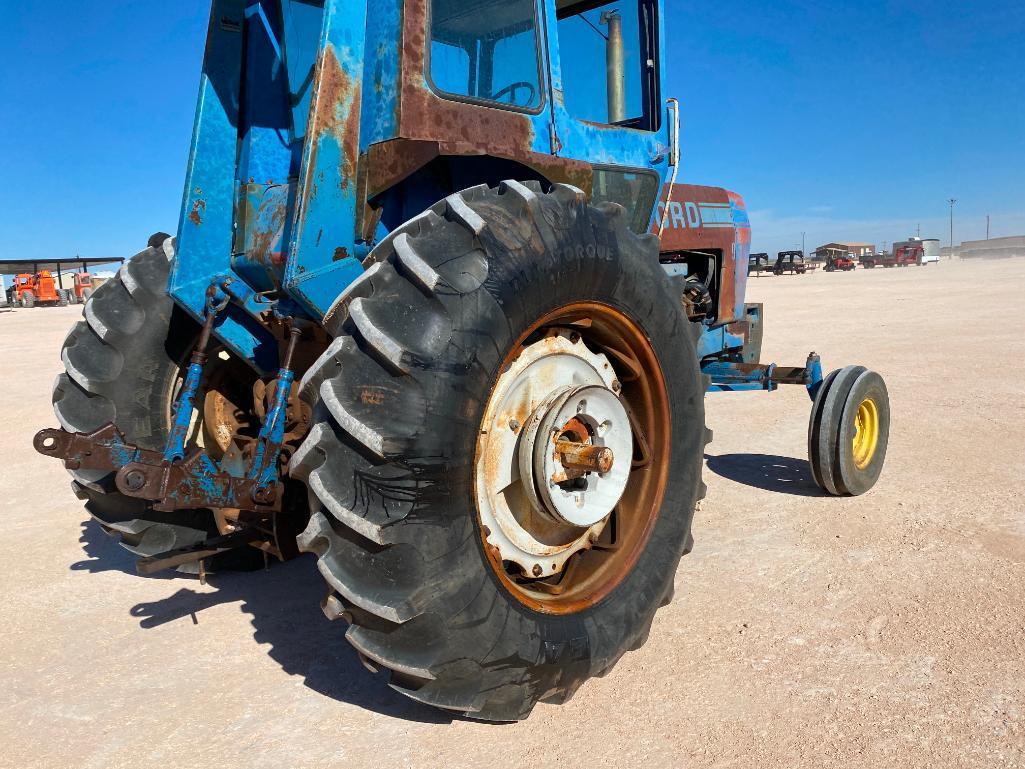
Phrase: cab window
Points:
(634, 190)
(609, 55)
(486, 51)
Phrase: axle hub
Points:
(555, 454)
(589, 425)
(584, 458)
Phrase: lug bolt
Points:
(616, 385)
(537, 570)
(514, 425)
(135, 480)
(574, 337)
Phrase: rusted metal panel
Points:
(261, 247)
(424, 115)
(394, 161)
(711, 219)
(326, 208)
(431, 126)
(205, 232)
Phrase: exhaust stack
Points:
(615, 70)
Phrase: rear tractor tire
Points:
(496, 345)
(849, 431)
(122, 364)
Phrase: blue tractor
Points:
(415, 321)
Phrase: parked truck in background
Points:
(31, 289)
(792, 262)
(83, 288)
(918, 251)
(896, 258)
(758, 263)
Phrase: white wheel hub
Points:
(554, 454)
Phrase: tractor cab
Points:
(307, 156)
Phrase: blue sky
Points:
(856, 121)
(845, 120)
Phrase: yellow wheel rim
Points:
(866, 433)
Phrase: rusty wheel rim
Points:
(593, 572)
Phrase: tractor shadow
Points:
(784, 475)
(284, 605)
(103, 553)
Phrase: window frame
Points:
(541, 58)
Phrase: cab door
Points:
(607, 107)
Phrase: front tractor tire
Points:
(849, 431)
(507, 449)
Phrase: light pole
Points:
(987, 226)
(952, 202)
(803, 251)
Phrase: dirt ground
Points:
(807, 631)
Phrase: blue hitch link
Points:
(180, 478)
(183, 481)
(186, 405)
(264, 468)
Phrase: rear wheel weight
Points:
(448, 302)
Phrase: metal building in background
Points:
(823, 253)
